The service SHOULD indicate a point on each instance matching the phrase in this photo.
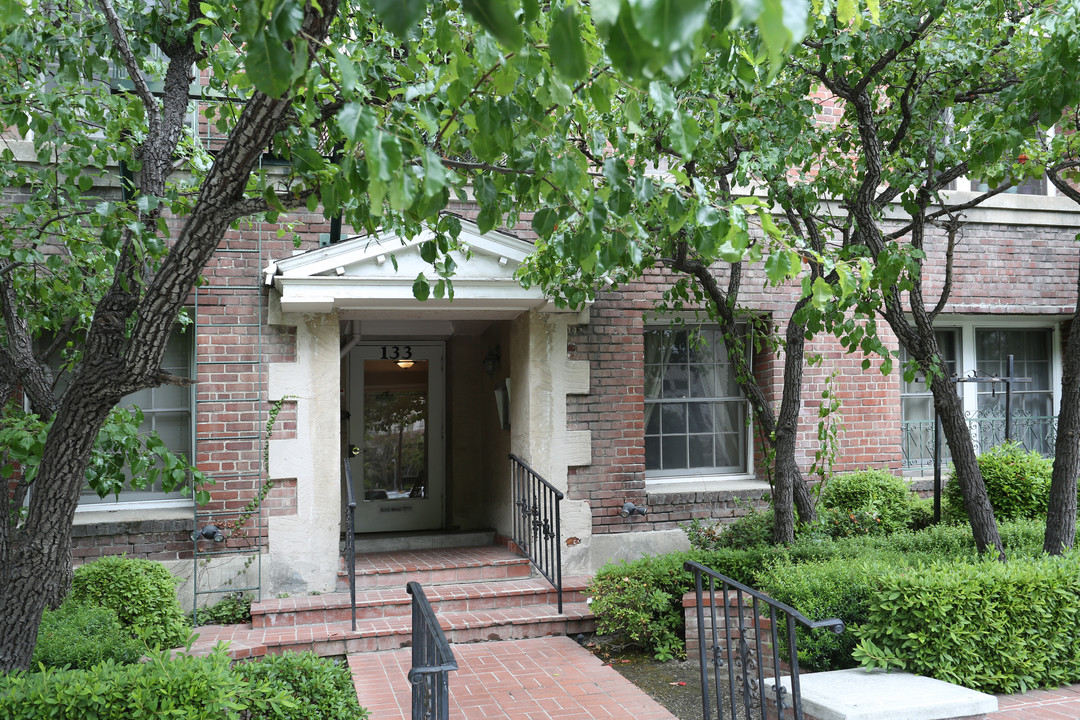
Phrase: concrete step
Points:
(397, 542)
(338, 638)
(396, 602)
(441, 566)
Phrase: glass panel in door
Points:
(397, 392)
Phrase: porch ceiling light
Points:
(630, 508)
(404, 364)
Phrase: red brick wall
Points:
(1003, 269)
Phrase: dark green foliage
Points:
(289, 687)
(233, 609)
(751, 530)
(141, 592)
(865, 502)
(922, 513)
(80, 636)
(204, 688)
(321, 688)
(1017, 481)
(837, 588)
(995, 627)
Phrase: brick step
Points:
(434, 567)
(395, 602)
(338, 638)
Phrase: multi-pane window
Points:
(985, 350)
(167, 410)
(696, 417)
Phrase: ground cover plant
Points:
(81, 636)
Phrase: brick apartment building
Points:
(611, 404)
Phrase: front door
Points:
(396, 399)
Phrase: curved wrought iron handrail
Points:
(745, 648)
(537, 523)
(350, 537)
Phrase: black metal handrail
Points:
(746, 672)
(537, 530)
(432, 660)
(350, 538)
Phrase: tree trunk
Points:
(976, 501)
(1061, 507)
(37, 572)
(790, 489)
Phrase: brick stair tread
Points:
(369, 597)
(244, 641)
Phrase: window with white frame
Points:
(167, 410)
(978, 348)
(696, 417)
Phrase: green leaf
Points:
(685, 133)
(497, 18)
(355, 120)
(567, 48)
(421, 289)
(544, 221)
(347, 69)
(400, 16)
(822, 293)
(845, 11)
(269, 65)
(12, 12)
(286, 20)
(670, 24)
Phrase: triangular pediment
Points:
(376, 274)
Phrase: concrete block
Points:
(878, 695)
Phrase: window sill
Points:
(134, 512)
(727, 483)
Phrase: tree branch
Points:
(123, 47)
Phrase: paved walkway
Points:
(554, 678)
(1060, 704)
(539, 679)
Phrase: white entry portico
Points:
(355, 300)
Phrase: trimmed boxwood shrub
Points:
(1017, 481)
(865, 502)
(80, 636)
(995, 627)
(141, 592)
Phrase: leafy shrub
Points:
(194, 688)
(753, 529)
(233, 609)
(995, 627)
(922, 513)
(865, 502)
(321, 688)
(835, 588)
(80, 636)
(1017, 481)
(141, 592)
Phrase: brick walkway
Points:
(537, 679)
(555, 678)
(1060, 704)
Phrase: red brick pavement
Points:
(548, 678)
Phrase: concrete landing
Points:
(877, 695)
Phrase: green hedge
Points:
(996, 627)
(186, 688)
(839, 587)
